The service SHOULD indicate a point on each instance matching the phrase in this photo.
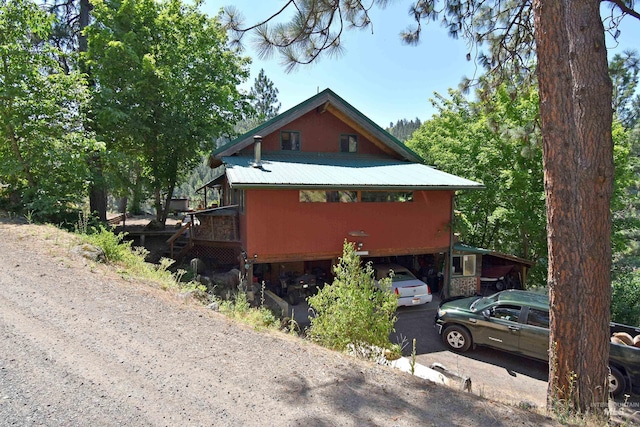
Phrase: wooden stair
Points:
(180, 243)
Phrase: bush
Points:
(115, 248)
(240, 309)
(353, 310)
(131, 261)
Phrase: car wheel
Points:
(617, 382)
(499, 285)
(457, 338)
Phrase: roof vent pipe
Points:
(257, 150)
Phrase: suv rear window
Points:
(538, 318)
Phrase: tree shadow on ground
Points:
(360, 397)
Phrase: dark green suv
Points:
(518, 322)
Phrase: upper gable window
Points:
(290, 140)
(348, 143)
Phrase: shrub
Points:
(353, 310)
(131, 261)
(240, 309)
(115, 248)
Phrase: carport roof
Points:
(338, 170)
(461, 247)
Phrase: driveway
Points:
(494, 374)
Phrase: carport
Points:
(482, 271)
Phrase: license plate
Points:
(415, 301)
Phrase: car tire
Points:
(617, 382)
(457, 338)
(499, 285)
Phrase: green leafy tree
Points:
(352, 310)
(68, 35)
(626, 206)
(625, 304)
(43, 142)
(166, 87)
(575, 90)
(495, 141)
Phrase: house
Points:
(294, 189)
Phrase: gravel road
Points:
(80, 345)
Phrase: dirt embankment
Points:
(83, 346)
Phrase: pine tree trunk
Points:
(576, 115)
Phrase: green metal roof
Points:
(470, 249)
(326, 96)
(461, 247)
(338, 170)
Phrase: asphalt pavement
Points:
(494, 374)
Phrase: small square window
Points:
(290, 141)
(348, 143)
(464, 265)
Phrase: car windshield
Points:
(402, 275)
(482, 303)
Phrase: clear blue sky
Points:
(377, 74)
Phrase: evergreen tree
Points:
(264, 98)
(403, 129)
(624, 70)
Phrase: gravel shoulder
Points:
(81, 345)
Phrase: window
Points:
(348, 143)
(538, 318)
(387, 196)
(318, 196)
(290, 140)
(464, 265)
(506, 312)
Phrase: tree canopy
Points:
(403, 128)
(166, 87)
(44, 143)
(264, 97)
(496, 142)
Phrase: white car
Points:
(404, 284)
